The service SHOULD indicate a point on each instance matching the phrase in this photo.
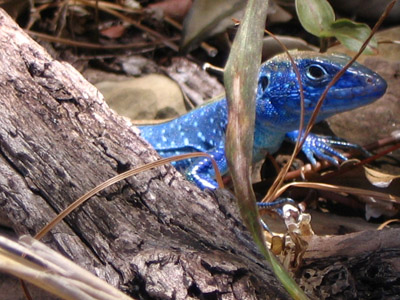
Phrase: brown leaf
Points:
(175, 9)
(379, 179)
(114, 32)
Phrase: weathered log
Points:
(154, 233)
(361, 265)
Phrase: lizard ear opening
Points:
(263, 82)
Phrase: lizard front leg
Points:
(201, 170)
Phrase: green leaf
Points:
(316, 16)
(352, 35)
(240, 78)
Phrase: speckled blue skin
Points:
(277, 113)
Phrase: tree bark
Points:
(155, 235)
(361, 265)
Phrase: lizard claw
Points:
(280, 206)
(321, 147)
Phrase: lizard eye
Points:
(316, 72)
(263, 81)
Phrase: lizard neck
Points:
(275, 119)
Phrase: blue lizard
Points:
(277, 113)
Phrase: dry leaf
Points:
(379, 179)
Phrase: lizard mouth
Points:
(352, 97)
(347, 98)
(342, 97)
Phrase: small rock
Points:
(144, 98)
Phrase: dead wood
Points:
(361, 265)
(154, 234)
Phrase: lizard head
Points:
(278, 96)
